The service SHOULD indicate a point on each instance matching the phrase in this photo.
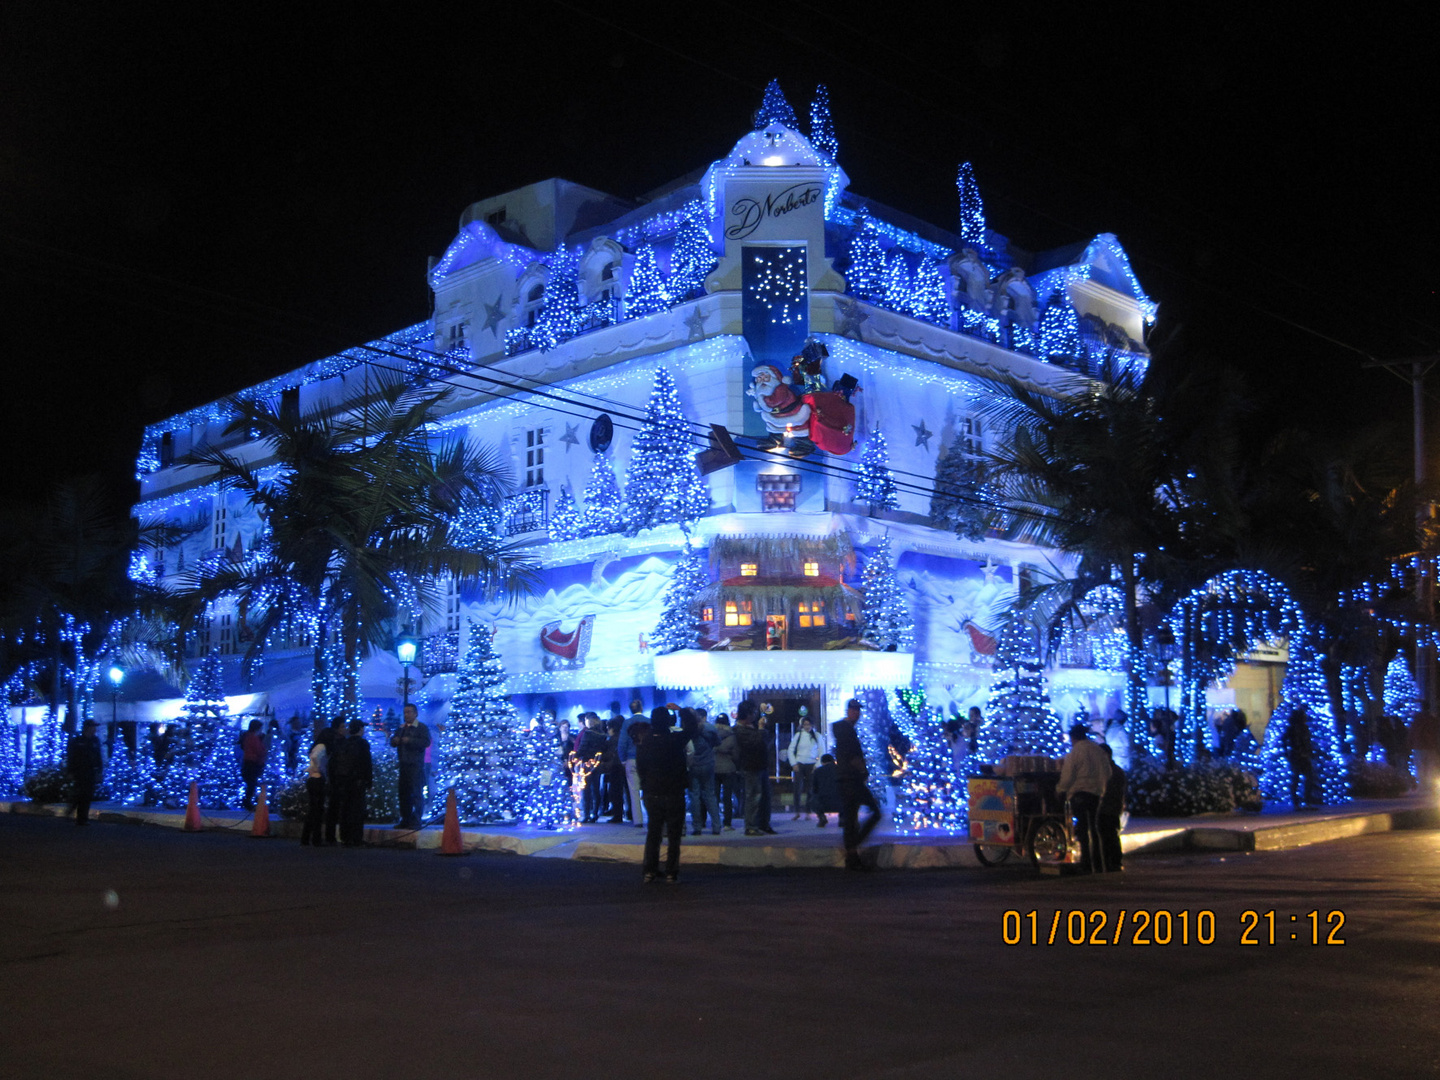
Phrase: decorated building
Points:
(823, 353)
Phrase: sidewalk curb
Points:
(921, 853)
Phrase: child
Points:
(827, 788)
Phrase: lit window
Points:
(812, 569)
(738, 613)
(707, 614)
(749, 569)
(812, 612)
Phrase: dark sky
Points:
(193, 198)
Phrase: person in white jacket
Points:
(805, 750)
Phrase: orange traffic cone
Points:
(450, 843)
(192, 811)
(261, 827)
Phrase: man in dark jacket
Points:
(411, 741)
(661, 761)
(85, 764)
(332, 737)
(351, 775)
(1107, 821)
(853, 774)
(750, 751)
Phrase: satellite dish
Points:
(602, 433)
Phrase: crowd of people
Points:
(651, 769)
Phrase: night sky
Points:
(194, 198)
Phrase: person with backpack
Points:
(351, 776)
(805, 750)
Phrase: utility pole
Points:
(1413, 370)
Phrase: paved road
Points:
(232, 957)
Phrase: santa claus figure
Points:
(799, 423)
(786, 414)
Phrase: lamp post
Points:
(117, 676)
(405, 652)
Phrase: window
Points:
(167, 449)
(534, 457)
(812, 569)
(495, 217)
(739, 613)
(707, 614)
(452, 604)
(534, 303)
(779, 492)
(812, 613)
(217, 535)
(749, 569)
(227, 634)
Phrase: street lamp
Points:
(405, 652)
(117, 676)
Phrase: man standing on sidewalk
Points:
(411, 741)
(661, 760)
(1083, 775)
(627, 758)
(853, 776)
(85, 764)
(750, 748)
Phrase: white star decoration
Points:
(989, 570)
(493, 314)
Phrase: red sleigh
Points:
(566, 649)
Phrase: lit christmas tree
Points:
(1018, 718)
(897, 283)
(560, 316)
(1059, 330)
(566, 520)
(544, 796)
(960, 501)
(481, 741)
(602, 501)
(822, 128)
(972, 207)
(927, 298)
(1304, 685)
(693, 257)
(774, 109)
(662, 484)
(12, 760)
(646, 294)
(930, 795)
(866, 276)
(885, 617)
(211, 759)
(874, 486)
(124, 780)
(679, 625)
(1402, 695)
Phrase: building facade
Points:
(801, 317)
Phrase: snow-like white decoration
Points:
(692, 669)
(1104, 262)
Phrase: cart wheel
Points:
(992, 854)
(1049, 843)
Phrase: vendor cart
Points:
(1021, 814)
